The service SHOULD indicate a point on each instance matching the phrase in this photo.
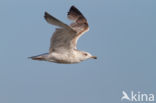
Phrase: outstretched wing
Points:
(54, 21)
(62, 37)
(80, 24)
(65, 37)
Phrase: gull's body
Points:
(63, 42)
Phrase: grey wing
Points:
(54, 21)
(62, 36)
(80, 24)
(66, 36)
(61, 40)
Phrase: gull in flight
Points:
(64, 40)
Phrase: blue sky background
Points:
(122, 35)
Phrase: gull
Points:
(64, 40)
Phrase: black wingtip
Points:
(74, 9)
(73, 6)
(46, 15)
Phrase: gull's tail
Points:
(39, 57)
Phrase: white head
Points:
(86, 55)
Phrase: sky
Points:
(122, 35)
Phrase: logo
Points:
(137, 97)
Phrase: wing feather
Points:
(65, 38)
(54, 21)
(61, 39)
(80, 24)
(75, 15)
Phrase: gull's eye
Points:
(85, 54)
